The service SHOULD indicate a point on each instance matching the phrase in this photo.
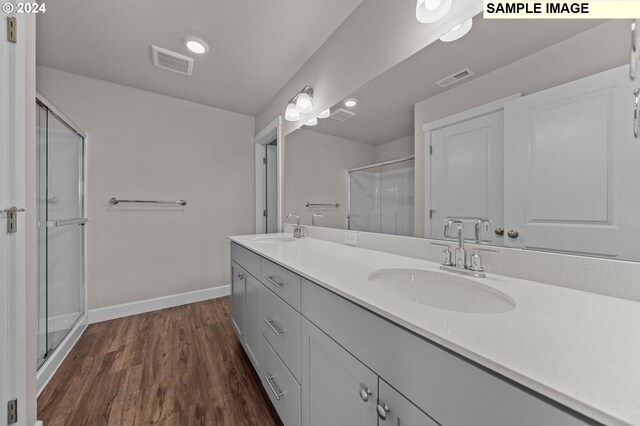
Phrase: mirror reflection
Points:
(521, 130)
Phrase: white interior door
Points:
(571, 168)
(466, 180)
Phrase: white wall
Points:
(402, 147)
(315, 167)
(603, 47)
(149, 146)
(378, 35)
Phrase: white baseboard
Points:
(142, 306)
(51, 365)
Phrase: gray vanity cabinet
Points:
(237, 299)
(337, 389)
(252, 336)
(395, 409)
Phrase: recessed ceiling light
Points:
(196, 45)
(458, 31)
(324, 114)
(351, 102)
(428, 11)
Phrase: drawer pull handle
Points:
(277, 284)
(273, 327)
(383, 410)
(274, 388)
(365, 392)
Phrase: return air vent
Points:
(455, 77)
(342, 114)
(171, 61)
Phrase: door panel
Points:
(332, 383)
(556, 203)
(253, 292)
(237, 299)
(467, 175)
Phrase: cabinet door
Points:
(570, 168)
(395, 409)
(337, 389)
(252, 345)
(237, 299)
(467, 175)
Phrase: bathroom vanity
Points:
(342, 335)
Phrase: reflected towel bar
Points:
(115, 201)
(308, 204)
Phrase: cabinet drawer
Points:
(282, 282)
(247, 259)
(450, 389)
(280, 325)
(281, 386)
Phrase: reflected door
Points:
(467, 175)
(61, 231)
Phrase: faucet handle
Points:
(447, 257)
(476, 260)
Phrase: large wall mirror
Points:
(522, 130)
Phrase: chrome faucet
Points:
(459, 263)
(316, 215)
(297, 228)
(460, 258)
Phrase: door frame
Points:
(273, 131)
(430, 127)
(17, 113)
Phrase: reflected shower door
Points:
(364, 200)
(396, 198)
(61, 199)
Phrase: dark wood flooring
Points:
(177, 366)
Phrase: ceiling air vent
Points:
(342, 114)
(455, 77)
(171, 61)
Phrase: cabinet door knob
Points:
(499, 231)
(364, 393)
(382, 411)
(513, 233)
(241, 276)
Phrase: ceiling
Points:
(256, 45)
(385, 105)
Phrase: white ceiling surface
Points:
(385, 105)
(256, 45)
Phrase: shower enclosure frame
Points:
(367, 166)
(46, 370)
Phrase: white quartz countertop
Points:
(580, 349)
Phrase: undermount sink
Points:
(274, 240)
(443, 291)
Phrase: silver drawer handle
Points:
(365, 392)
(274, 388)
(636, 93)
(383, 410)
(273, 327)
(277, 284)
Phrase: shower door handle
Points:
(58, 223)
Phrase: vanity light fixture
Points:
(351, 102)
(458, 31)
(324, 114)
(196, 44)
(291, 113)
(300, 104)
(312, 122)
(428, 11)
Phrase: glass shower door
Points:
(61, 199)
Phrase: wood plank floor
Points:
(177, 366)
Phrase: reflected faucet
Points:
(297, 228)
(461, 254)
(316, 215)
(478, 227)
